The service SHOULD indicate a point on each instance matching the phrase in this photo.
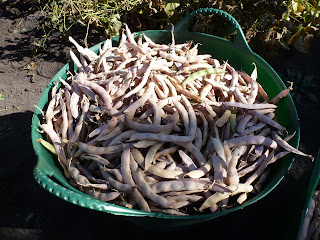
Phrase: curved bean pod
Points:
(134, 106)
(140, 127)
(184, 115)
(252, 140)
(232, 174)
(143, 81)
(103, 94)
(161, 137)
(217, 197)
(268, 120)
(187, 160)
(169, 174)
(200, 172)
(122, 187)
(151, 154)
(195, 152)
(145, 188)
(287, 146)
(102, 195)
(179, 185)
(192, 117)
(102, 150)
(253, 106)
(183, 59)
(128, 179)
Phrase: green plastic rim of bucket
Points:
(49, 175)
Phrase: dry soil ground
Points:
(29, 212)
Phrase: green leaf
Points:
(1, 97)
(115, 24)
(171, 6)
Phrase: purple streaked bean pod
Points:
(253, 93)
(192, 117)
(217, 197)
(151, 154)
(103, 94)
(195, 152)
(140, 127)
(282, 94)
(217, 144)
(186, 197)
(161, 137)
(145, 188)
(218, 174)
(252, 140)
(108, 128)
(144, 143)
(97, 158)
(240, 96)
(268, 120)
(128, 179)
(183, 59)
(121, 137)
(65, 121)
(200, 172)
(157, 111)
(102, 195)
(260, 169)
(87, 91)
(179, 185)
(114, 132)
(70, 120)
(287, 146)
(135, 105)
(102, 150)
(232, 174)
(165, 152)
(89, 54)
(184, 115)
(143, 81)
(76, 61)
(198, 138)
(122, 187)
(169, 174)
(187, 160)
(253, 106)
(278, 156)
(253, 166)
(254, 128)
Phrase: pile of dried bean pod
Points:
(162, 128)
(311, 224)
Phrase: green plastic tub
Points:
(48, 173)
(307, 188)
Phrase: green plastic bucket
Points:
(49, 175)
(306, 190)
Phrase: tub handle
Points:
(50, 180)
(240, 39)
